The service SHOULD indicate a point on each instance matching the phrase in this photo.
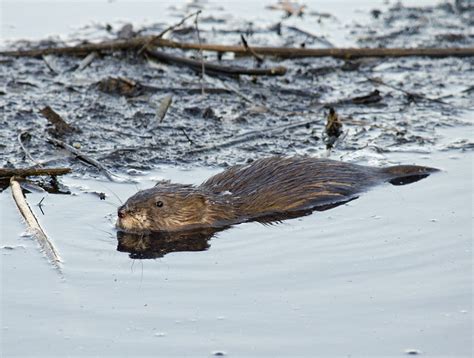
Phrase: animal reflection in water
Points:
(154, 245)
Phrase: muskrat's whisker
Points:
(107, 232)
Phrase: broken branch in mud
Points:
(285, 52)
(26, 172)
(87, 61)
(214, 68)
(34, 226)
(251, 51)
(60, 125)
(82, 156)
(163, 107)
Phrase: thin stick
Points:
(284, 52)
(201, 55)
(313, 36)
(34, 226)
(170, 28)
(163, 107)
(87, 60)
(26, 172)
(214, 68)
(186, 135)
(83, 157)
(26, 151)
(251, 51)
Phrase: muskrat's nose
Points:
(121, 212)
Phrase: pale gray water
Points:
(387, 272)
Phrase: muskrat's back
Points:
(278, 183)
(264, 187)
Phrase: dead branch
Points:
(26, 172)
(251, 51)
(214, 68)
(165, 31)
(34, 226)
(285, 52)
(163, 107)
(20, 137)
(60, 125)
(87, 61)
(82, 156)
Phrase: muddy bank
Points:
(386, 105)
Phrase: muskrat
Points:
(264, 188)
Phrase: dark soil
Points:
(384, 104)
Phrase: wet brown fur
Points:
(261, 189)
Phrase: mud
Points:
(416, 96)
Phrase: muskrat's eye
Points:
(159, 203)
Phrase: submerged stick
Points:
(34, 226)
(83, 157)
(137, 43)
(26, 172)
(212, 68)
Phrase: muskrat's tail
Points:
(406, 174)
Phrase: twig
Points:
(34, 226)
(214, 68)
(49, 64)
(87, 60)
(251, 51)
(163, 107)
(245, 137)
(284, 52)
(186, 135)
(27, 153)
(170, 28)
(201, 54)
(26, 172)
(83, 157)
(313, 36)
(40, 205)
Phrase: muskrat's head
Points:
(165, 207)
